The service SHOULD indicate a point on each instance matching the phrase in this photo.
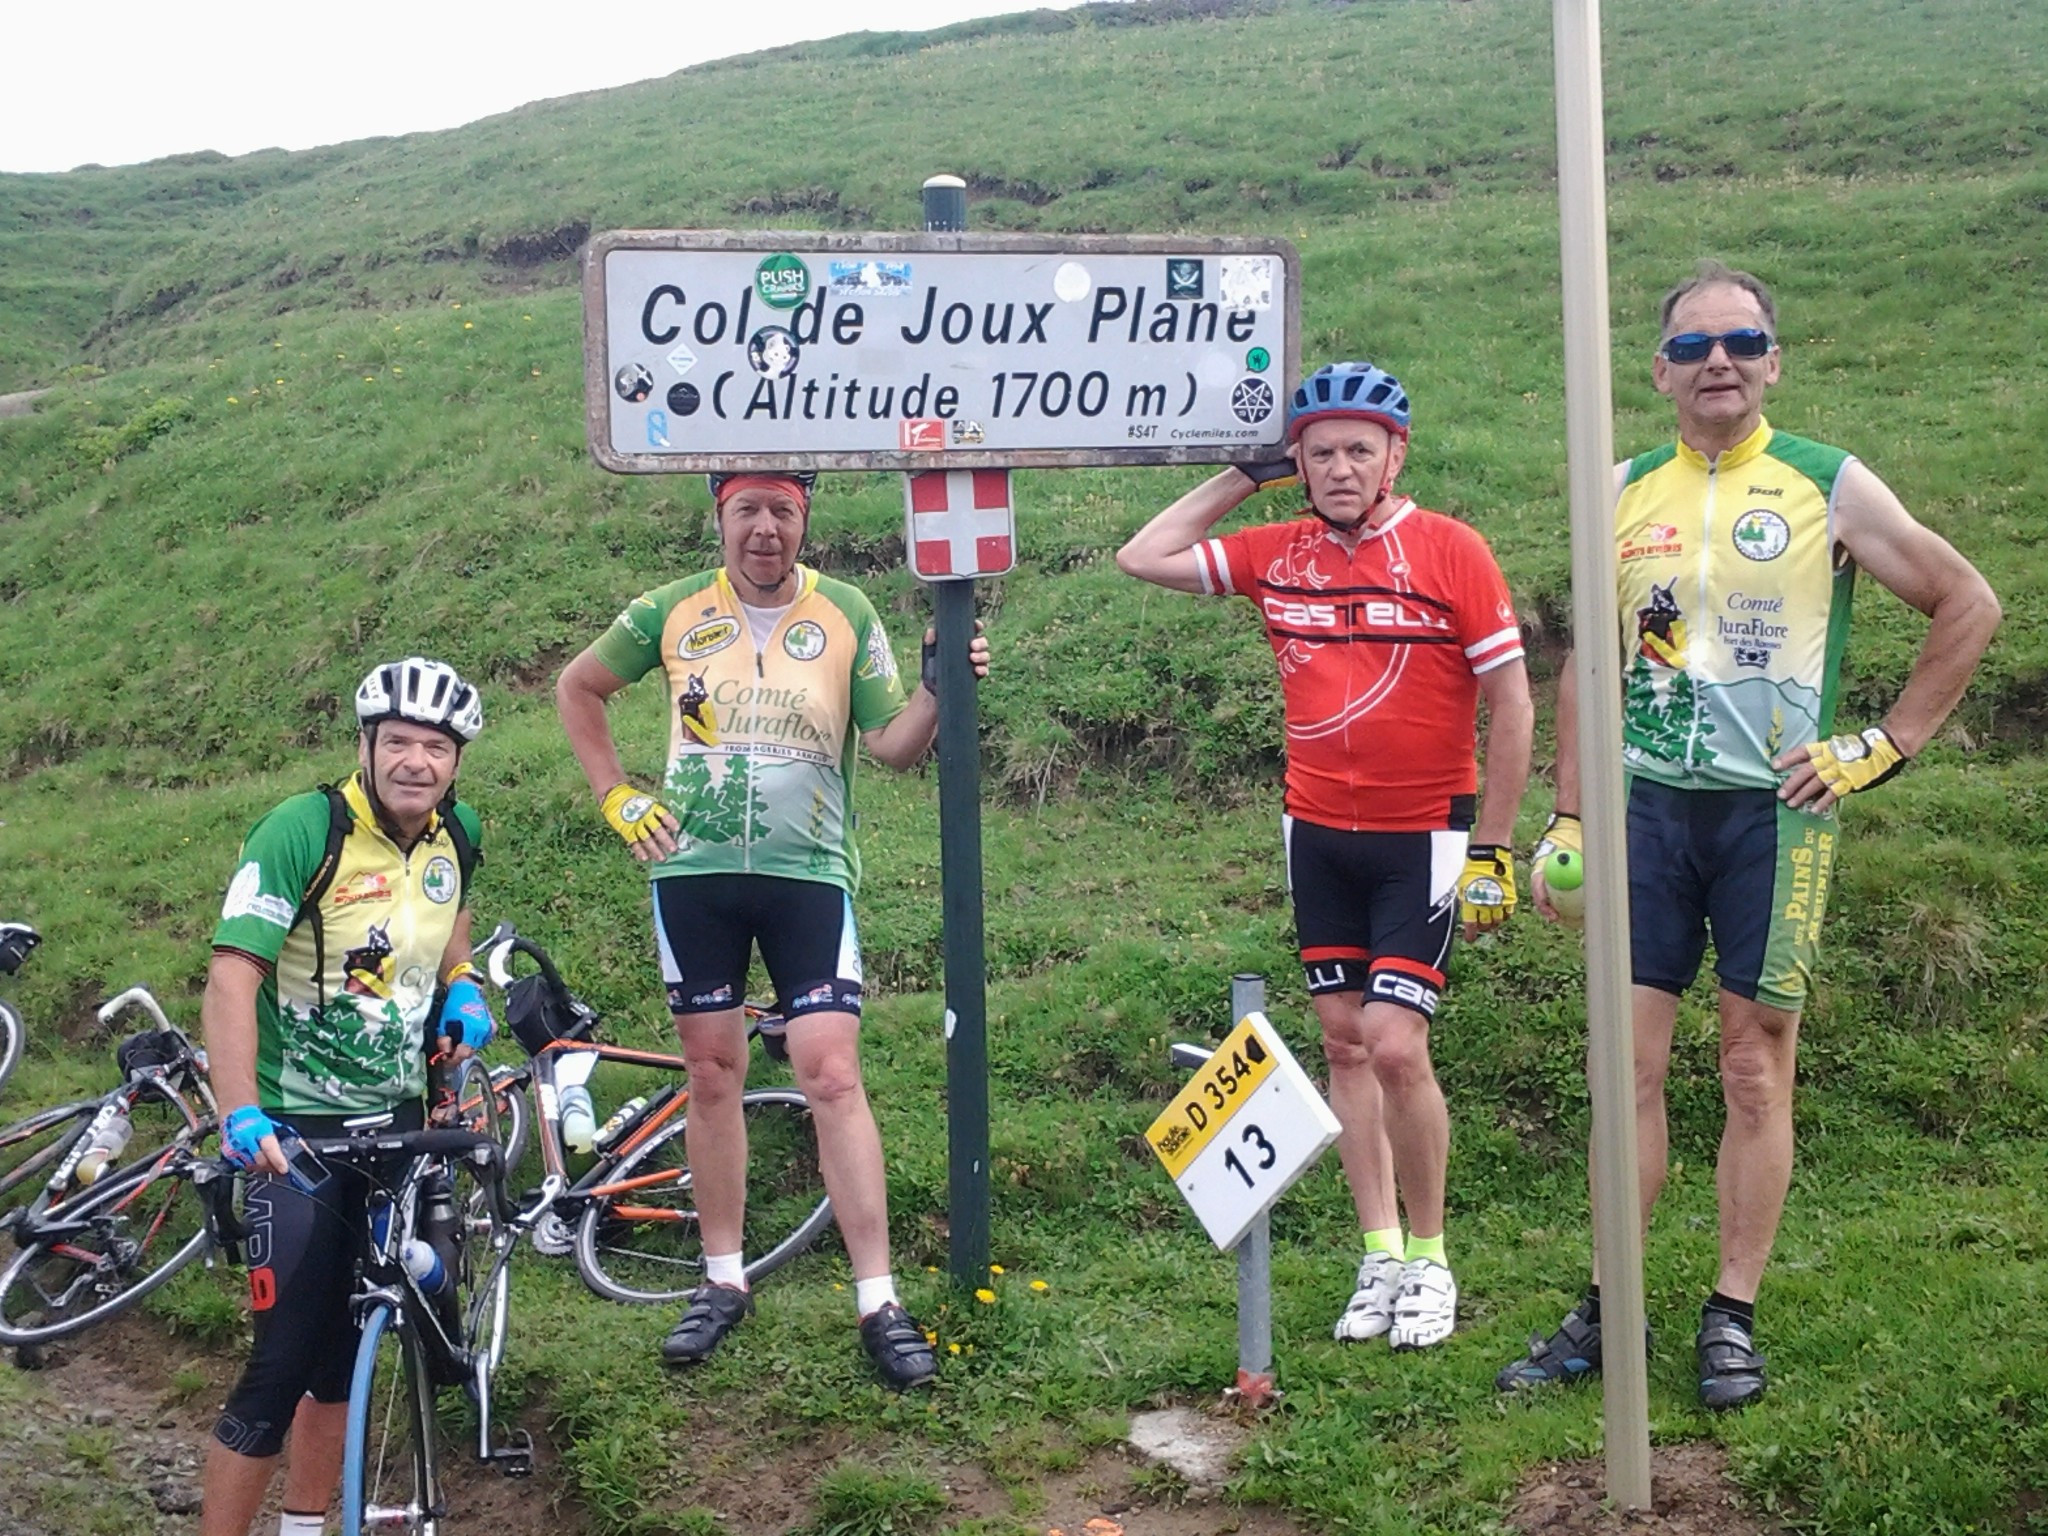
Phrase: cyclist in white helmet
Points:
(344, 936)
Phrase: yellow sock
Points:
(1386, 1240)
(1431, 1248)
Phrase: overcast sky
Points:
(116, 81)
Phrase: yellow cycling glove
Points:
(1486, 890)
(633, 814)
(1274, 474)
(1561, 833)
(1849, 763)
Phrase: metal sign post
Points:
(1589, 418)
(945, 208)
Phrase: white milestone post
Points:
(1589, 429)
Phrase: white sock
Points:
(289, 1524)
(726, 1269)
(873, 1295)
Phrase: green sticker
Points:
(782, 281)
(1258, 359)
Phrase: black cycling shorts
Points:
(1374, 911)
(707, 927)
(301, 1250)
(1739, 863)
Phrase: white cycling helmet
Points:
(421, 692)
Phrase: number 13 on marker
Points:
(1247, 1125)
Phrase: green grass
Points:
(311, 410)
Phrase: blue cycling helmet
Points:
(1358, 391)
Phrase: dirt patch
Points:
(122, 1418)
(1690, 1495)
(758, 1486)
(21, 402)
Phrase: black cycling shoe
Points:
(1731, 1370)
(897, 1345)
(1570, 1354)
(713, 1312)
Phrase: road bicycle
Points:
(16, 940)
(431, 1298)
(86, 1251)
(630, 1219)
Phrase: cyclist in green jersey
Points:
(346, 919)
(776, 675)
(1738, 545)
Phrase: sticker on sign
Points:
(1247, 1125)
(871, 351)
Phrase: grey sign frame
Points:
(597, 368)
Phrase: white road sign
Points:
(1248, 1124)
(708, 349)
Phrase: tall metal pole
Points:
(1254, 1251)
(1589, 430)
(945, 208)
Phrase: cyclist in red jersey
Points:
(1389, 624)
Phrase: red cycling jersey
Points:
(1380, 651)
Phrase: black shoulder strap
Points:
(339, 820)
(467, 854)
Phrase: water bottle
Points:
(621, 1119)
(418, 1256)
(579, 1120)
(108, 1142)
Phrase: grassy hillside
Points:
(310, 410)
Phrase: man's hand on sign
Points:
(1274, 474)
(928, 668)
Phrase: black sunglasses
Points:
(1697, 346)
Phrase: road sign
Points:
(1247, 1125)
(959, 523)
(719, 350)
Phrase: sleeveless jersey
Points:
(762, 739)
(1734, 608)
(1380, 651)
(350, 1041)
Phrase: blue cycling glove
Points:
(242, 1133)
(465, 1016)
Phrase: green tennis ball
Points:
(1564, 872)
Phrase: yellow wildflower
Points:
(985, 1296)
(995, 1269)
(1040, 1285)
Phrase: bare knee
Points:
(1758, 1049)
(832, 1080)
(1400, 1056)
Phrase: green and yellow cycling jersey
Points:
(762, 737)
(349, 1040)
(1734, 608)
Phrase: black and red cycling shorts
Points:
(1374, 911)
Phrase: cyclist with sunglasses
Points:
(1739, 545)
(1389, 624)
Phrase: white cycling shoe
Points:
(1370, 1312)
(1426, 1310)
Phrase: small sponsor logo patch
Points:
(720, 997)
(684, 399)
(440, 882)
(1761, 534)
(921, 434)
(706, 639)
(773, 352)
(1251, 402)
(246, 898)
(634, 382)
(782, 281)
(870, 279)
(805, 640)
(1183, 277)
(364, 885)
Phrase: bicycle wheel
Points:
(482, 1284)
(641, 1243)
(121, 1240)
(389, 1475)
(508, 1084)
(12, 1034)
(35, 1145)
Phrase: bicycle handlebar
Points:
(138, 997)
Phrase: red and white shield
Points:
(959, 523)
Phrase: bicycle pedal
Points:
(515, 1458)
